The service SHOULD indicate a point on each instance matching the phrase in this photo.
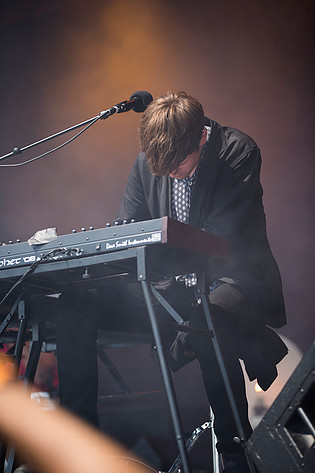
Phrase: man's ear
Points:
(203, 138)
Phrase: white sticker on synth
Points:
(156, 237)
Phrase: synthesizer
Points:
(161, 231)
(108, 255)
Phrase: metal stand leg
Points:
(21, 334)
(38, 328)
(32, 363)
(206, 306)
(113, 371)
(169, 388)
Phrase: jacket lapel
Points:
(206, 180)
(164, 196)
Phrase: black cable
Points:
(33, 266)
(52, 150)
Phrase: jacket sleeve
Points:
(236, 213)
(237, 194)
(133, 204)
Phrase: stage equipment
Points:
(284, 441)
(139, 251)
(138, 102)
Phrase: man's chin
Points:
(178, 176)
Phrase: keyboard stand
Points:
(142, 269)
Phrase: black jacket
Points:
(226, 201)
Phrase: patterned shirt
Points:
(181, 197)
(182, 190)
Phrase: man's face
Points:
(188, 166)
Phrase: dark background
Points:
(249, 63)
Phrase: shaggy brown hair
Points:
(170, 129)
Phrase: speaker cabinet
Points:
(284, 441)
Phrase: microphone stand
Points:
(118, 108)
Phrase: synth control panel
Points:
(120, 235)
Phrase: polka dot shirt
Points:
(182, 191)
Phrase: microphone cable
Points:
(53, 149)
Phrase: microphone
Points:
(138, 102)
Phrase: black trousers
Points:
(80, 315)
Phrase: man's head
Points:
(172, 134)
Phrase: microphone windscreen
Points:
(143, 99)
